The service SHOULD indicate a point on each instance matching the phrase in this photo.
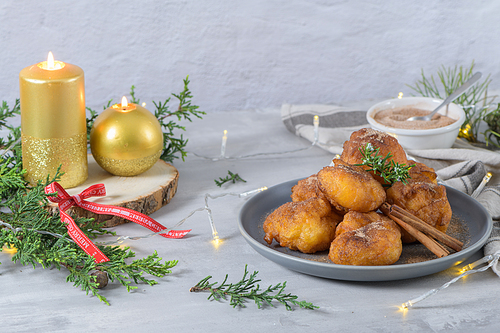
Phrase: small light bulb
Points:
(406, 305)
(223, 145)
(464, 269)
(477, 263)
(9, 249)
(316, 129)
(216, 242)
(260, 189)
(481, 186)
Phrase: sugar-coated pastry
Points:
(385, 142)
(351, 187)
(354, 220)
(377, 243)
(309, 188)
(336, 209)
(420, 172)
(307, 226)
(425, 200)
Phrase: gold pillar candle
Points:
(53, 122)
(126, 139)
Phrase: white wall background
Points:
(249, 54)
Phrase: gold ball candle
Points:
(53, 122)
(126, 139)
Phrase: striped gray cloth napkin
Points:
(462, 167)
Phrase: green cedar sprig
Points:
(7, 112)
(389, 170)
(172, 145)
(248, 288)
(11, 177)
(15, 132)
(41, 239)
(230, 177)
(11, 173)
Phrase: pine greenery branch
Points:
(492, 119)
(248, 288)
(41, 239)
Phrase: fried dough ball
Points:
(425, 200)
(422, 173)
(386, 143)
(355, 220)
(351, 187)
(377, 243)
(307, 226)
(309, 188)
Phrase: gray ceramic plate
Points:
(474, 218)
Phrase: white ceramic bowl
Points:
(436, 138)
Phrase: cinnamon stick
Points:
(420, 225)
(428, 242)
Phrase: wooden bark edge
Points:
(146, 204)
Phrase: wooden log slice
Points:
(145, 193)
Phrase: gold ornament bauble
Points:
(126, 139)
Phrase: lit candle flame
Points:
(124, 102)
(50, 61)
(124, 106)
(51, 64)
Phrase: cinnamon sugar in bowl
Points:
(390, 116)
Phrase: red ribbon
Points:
(65, 201)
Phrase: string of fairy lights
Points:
(224, 144)
(215, 234)
(206, 207)
(480, 265)
(491, 259)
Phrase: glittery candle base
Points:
(42, 157)
(127, 168)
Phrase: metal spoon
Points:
(460, 90)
